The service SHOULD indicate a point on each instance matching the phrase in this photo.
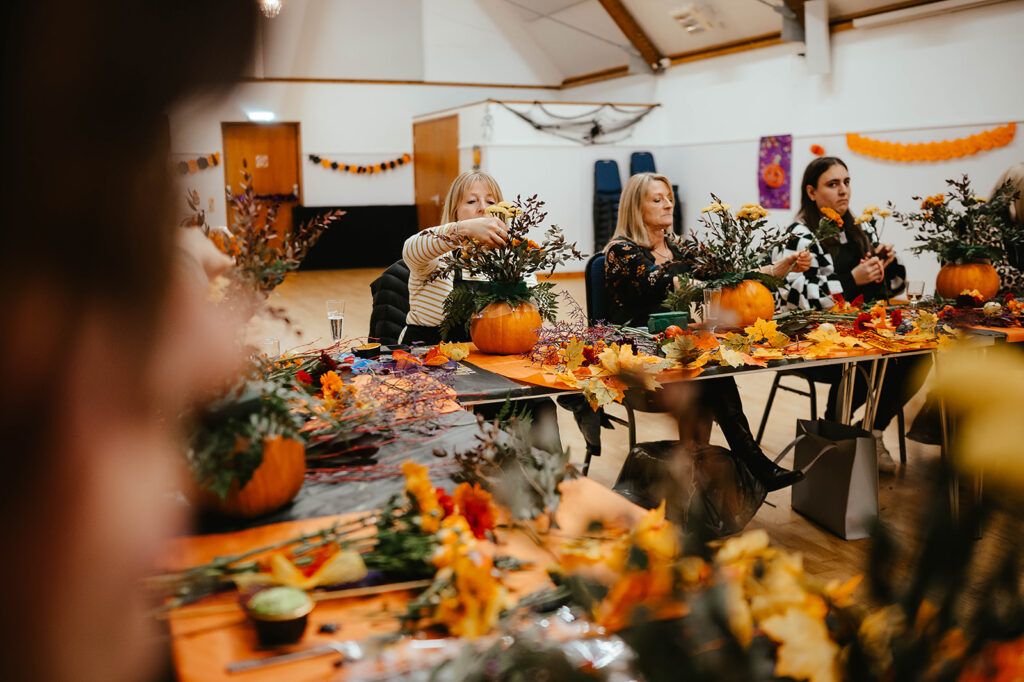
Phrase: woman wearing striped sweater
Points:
(463, 218)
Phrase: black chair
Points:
(607, 189)
(390, 306)
(641, 162)
(811, 393)
(593, 278)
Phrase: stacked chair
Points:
(607, 188)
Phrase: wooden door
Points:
(271, 152)
(435, 147)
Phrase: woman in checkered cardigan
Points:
(849, 265)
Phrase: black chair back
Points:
(390, 294)
(597, 297)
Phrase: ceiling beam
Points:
(633, 31)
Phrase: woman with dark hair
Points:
(850, 265)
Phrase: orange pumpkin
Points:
(773, 175)
(745, 302)
(501, 329)
(274, 483)
(953, 279)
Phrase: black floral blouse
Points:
(636, 286)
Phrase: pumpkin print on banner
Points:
(774, 162)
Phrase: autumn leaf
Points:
(599, 393)
(736, 342)
(567, 378)
(767, 354)
(454, 351)
(779, 340)
(730, 357)
(574, 354)
(434, 357)
(761, 329)
(805, 650)
(682, 349)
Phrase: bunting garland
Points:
(201, 163)
(932, 151)
(352, 168)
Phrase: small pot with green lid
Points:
(280, 614)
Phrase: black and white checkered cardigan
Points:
(812, 288)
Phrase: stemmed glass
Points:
(336, 317)
(270, 348)
(915, 290)
(712, 302)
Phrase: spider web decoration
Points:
(605, 124)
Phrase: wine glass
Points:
(336, 317)
(915, 290)
(712, 302)
(270, 348)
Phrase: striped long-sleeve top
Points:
(422, 253)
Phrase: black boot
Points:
(722, 396)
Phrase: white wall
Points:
(933, 79)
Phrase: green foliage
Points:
(462, 303)
(520, 255)
(251, 411)
(402, 551)
(960, 227)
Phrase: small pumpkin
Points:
(274, 483)
(773, 175)
(501, 329)
(745, 302)
(953, 279)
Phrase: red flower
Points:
(446, 501)
(589, 355)
(304, 377)
(858, 302)
(858, 324)
(477, 507)
(1008, 298)
(327, 362)
(896, 317)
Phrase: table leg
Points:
(846, 384)
(875, 383)
(954, 481)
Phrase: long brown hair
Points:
(810, 215)
(631, 208)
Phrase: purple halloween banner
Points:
(773, 169)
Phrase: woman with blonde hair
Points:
(463, 218)
(642, 260)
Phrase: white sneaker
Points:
(886, 463)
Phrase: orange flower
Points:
(830, 214)
(422, 495)
(817, 150)
(933, 201)
(476, 505)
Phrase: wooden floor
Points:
(302, 297)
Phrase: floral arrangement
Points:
(521, 477)
(960, 227)
(869, 222)
(730, 249)
(506, 266)
(226, 445)
(262, 256)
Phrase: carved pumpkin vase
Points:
(275, 482)
(953, 279)
(503, 329)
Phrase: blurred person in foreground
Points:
(105, 339)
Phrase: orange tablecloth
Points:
(204, 644)
(1013, 334)
(518, 368)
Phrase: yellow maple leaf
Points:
(926, 323)
(761, 329)
(599, 393)
(574, 354)
(805, 650)
(681, 349)
(567, 378)
(778, 340)
(737, 342)
(618, 360)
(730, 357)
(454, 351)
(767, 354)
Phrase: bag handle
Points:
(792, 444)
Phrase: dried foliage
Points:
(960, 227)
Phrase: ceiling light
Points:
(270, 8)
(260, 116)
(692, 19)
